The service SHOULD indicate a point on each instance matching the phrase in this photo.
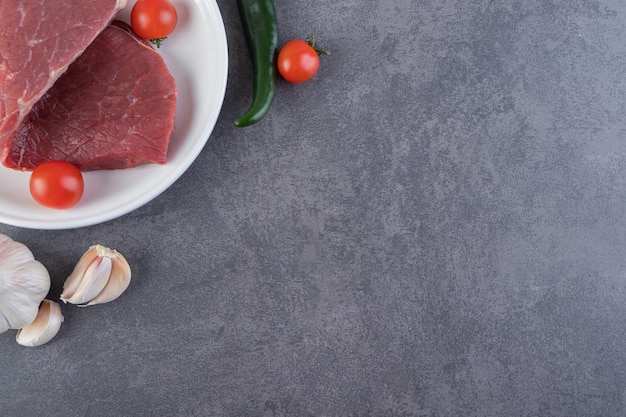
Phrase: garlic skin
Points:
(45, 326)
(24, 282)
(101, 275)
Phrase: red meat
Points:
(114, 108)
(38, 40)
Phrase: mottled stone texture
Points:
(434, 226)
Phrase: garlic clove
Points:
(45, 326)
(95, 279)
(101, 275)
(118, 281)
(70, 287)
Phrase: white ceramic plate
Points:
(197, 56)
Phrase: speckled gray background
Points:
(434, 226)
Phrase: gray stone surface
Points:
(434, 226)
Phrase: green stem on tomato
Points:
(311, 41)
(158, 41)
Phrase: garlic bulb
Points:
(45, 326)
(101, 275)
(24, 282)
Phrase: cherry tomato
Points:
(298, 61)
(153, 19)
(56, 184)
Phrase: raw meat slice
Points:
(114, 108)
(38, 40)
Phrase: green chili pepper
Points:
(258, 18)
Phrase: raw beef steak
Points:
(114, 108)
(38, 40)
